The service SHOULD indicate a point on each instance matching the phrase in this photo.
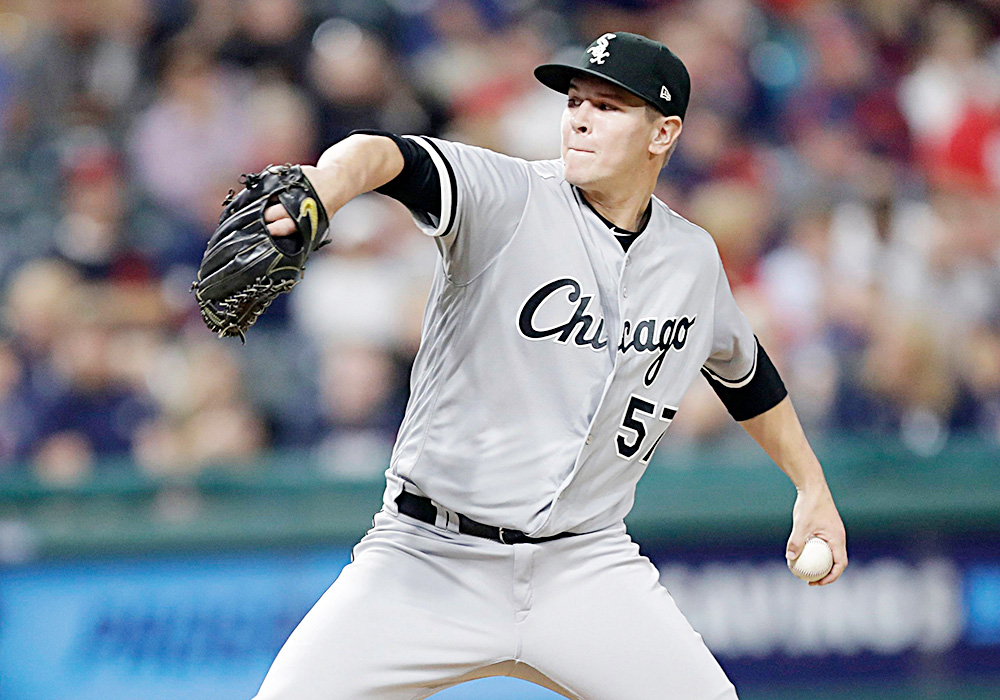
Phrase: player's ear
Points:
(668, 130)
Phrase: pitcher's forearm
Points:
(356, 165)
(780, 434)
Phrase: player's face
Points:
(606, 133)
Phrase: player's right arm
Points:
(470, 199)
(358, 164)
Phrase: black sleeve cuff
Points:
(762, 393)
(418, 186)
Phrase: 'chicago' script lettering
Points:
(580, 321)
(673, 334)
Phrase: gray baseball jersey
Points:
(552, 360)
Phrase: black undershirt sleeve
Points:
(418, 185)
(762, 393)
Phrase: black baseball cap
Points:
(644, 67)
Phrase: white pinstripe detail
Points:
(444, 222)
(743, 381)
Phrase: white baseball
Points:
(814, 561)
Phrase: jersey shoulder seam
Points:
(540, 168)
(674, 215)
(700, 231)
(517, 228)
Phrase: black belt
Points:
(424, 509)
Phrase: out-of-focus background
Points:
(171, 504)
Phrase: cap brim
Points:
(558, 76)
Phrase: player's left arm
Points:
(778, 431)
(747, 382)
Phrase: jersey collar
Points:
(617, 230)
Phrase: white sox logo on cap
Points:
(644, 67)
(599, 49)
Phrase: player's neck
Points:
(626, 211)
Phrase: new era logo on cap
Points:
(664, 93)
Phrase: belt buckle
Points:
(516, 536)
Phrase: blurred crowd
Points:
(845, 156)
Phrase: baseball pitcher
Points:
(570, 311)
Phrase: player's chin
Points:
(576, 173)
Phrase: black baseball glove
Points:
(245, 268)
